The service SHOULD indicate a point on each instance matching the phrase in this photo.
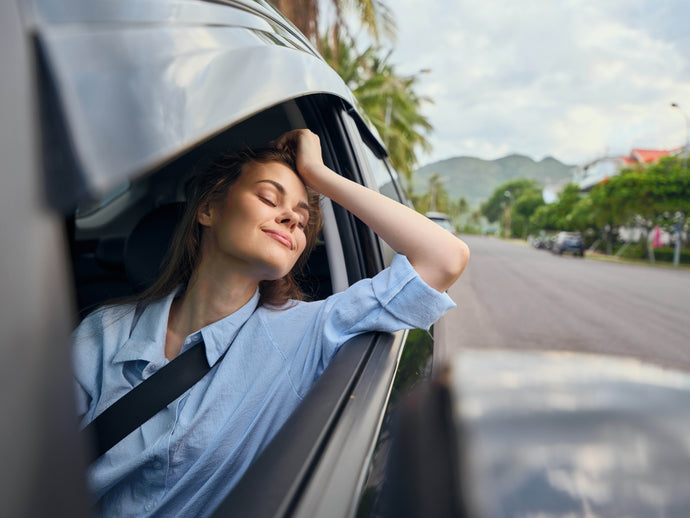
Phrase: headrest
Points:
(148, 244)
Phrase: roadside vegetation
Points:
(639, 198)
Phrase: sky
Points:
(572, 79)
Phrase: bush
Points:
(662, 255)
(665, 254)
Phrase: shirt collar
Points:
(147, 339)
(219, 335)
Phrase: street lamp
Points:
(686, 150)
(507, 213)
(687, 125)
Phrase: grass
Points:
(598, 256)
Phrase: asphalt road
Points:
(516, 297)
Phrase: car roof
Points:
(136, 83)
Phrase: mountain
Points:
(476, 179)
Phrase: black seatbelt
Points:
(147, 399)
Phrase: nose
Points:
(288, 218)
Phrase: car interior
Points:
(119, 240)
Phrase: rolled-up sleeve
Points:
(308, 334)
(405, 296)
(397, 298)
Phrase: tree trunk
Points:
(304, 14)
(650, 250)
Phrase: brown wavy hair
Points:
(212, 185)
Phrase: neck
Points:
(211, 295)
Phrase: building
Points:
(597, 171)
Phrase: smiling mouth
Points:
(280, 237)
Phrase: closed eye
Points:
(267, 201)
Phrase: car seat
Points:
(148, 243)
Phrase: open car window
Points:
(120, 238)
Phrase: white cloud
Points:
(573, 79)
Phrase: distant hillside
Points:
(476, 179)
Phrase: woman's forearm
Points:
(437, 255)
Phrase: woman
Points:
(229, 283)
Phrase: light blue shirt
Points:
(184, 460)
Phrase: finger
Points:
(286, 140)
(281, 143)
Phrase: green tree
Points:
(506, 193)
(582, 216)
(567, 199)
(434, 199)
(641, 197)
(513, 203)
(458, 208)
(556, 216)
(607, 213)
(645, 197)
(522, 211)
(544, 218)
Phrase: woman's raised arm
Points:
(437, 255)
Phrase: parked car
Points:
(570, 242)
(441, 219)
(537, 242)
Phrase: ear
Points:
(204, 215)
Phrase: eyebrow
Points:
(281, 190)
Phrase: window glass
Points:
(90, 207)
(382, 175)
(386, 186)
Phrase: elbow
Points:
(453, 264)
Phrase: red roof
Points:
(647, 156)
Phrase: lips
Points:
(281, 237)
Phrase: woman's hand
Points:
(307, 149)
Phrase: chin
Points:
(275, 272)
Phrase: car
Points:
(536, 241)
(545, 433)
(109, 106)
(570, 242)
(441, 219)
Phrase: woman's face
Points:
(259, 227)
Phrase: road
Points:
(516, 297)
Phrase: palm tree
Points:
(389, 100)
(373, 15)
(303, 13)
